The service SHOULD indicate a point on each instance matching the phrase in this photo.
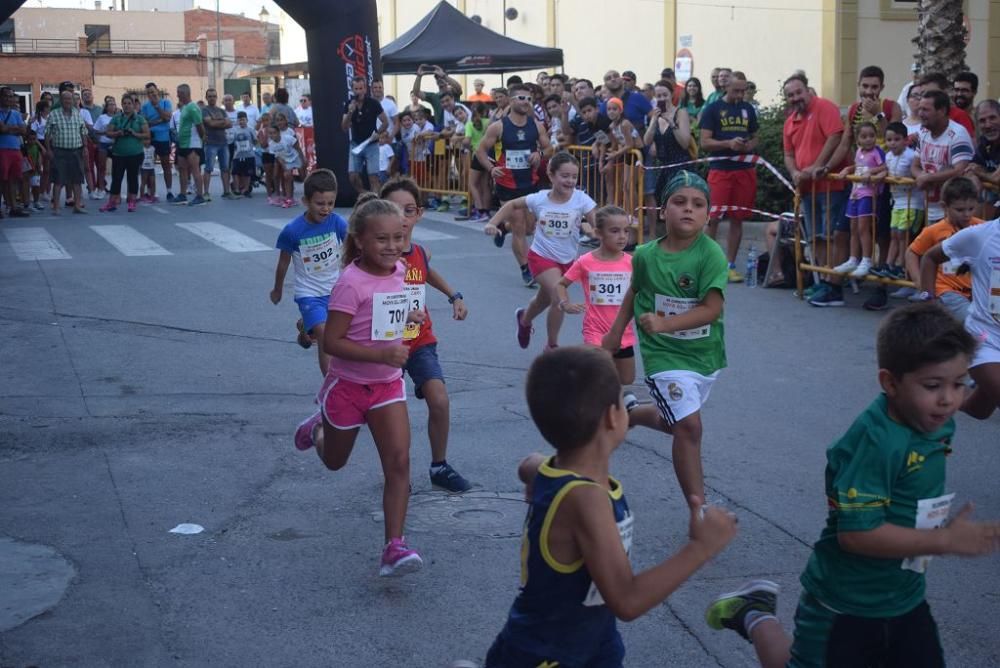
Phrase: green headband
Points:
(683, 179)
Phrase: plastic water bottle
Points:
(750, 280)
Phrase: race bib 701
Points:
(389, 310)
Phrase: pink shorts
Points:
(346, 404)
(537, 264)
(10, 164)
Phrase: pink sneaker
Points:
(304, 432)
(288, 203)
(399, 559)
(146, 199)
(131, 206)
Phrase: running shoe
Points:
(882, 271)
(846, 267)
(735, 276)
(529, 280)
(523, 331)
(198, 201)
(443, 206)
(179, 200)
(729, 611)
(38, 207)
(833, 295)
(304, 340)
(903, 293)
(131, 206)
(95, 194)
(304, 432)
(896, 273)
(230, 195)
(449, 480)
(862, 269)
(207, 197)
(879, 301)
(110, 205)
(631, 401)
(499, 238)
(170, 197)
(399, 559)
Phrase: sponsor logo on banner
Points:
(473, 61)
(356, 52)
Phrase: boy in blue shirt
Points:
(863, 600)
(576, 579)
(313, 243)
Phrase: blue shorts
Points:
(858, 207)
(213, 151)
(367, 160)
(838, 202)
(423, 365)
(314, 311)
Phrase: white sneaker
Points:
(864, 267)
(847, 267)
(95, 194)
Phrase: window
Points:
(7, 36)
(98, 38)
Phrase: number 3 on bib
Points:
(389, 311)
(415, 302)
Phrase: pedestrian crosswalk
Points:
(32, 242)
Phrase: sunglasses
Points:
(522, 98)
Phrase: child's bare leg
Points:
(438, 417)
(855, 239)
(865, 235)
(648, 417)
(772, 644)
(334, 445)
(626, 369)
(986, 397)
(390, 427)
(518, 237)
(687, 456)
(289, 185)
(547, 281)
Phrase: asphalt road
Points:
(140, 391)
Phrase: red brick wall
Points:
(248, 35)
(38, 70)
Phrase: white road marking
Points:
(224, 237)
(34, 243)
(159, 209)
(129, 241)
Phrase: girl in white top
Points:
(977, 246)
(561, 213)
(103, 141)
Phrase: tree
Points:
(941, 37)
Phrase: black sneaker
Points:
(879, 301)
(882, 271)
(729, 610)
(833, 295)
(449, 480)
(498, 239)
(529, 280)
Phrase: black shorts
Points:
(244, 167)
(507, 194)
(185, 152)
(162, 148)
(624, 353)
(478, 166)
(267, 158)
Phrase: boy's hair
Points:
(602, 215)
(588, 102)
(241, 114)
(917, 335)
(561, 158)
(865, 124)
(555, 97)
(398, 183)
(403, 114)
(872, 71)
(320, 181)
(568, 392)
(899, 128)
(370, 208)
(958, 188)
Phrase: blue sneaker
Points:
(449, 480)
(499, 238)
(197, 201)
(170, 197)
(180, 200)
(832, 295)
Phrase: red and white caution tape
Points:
(749, 158)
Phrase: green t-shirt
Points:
(186, 130)
(475, 136)
(713, 96)
(130, 145)
(879, 471)
(434, 99)
(672, 283)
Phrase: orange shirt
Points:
(947, 280)
(806, 134)
(480, 97)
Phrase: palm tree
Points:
(941, 37)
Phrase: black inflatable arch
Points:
(342, 42)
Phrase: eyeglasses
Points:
(303, 100)
(411, 210)
(522, 98)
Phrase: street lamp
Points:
(264, 14)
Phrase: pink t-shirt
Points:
(604, 286)
(864, 163)
(359, 293)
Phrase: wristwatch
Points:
(880, 116)
(455, 297)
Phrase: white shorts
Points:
(986, 353)
(679, 394)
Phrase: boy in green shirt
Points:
(863, 589)
(676, 297)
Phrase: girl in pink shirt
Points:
(606, 274)
(369, 308)
(869, 163)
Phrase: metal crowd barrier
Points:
(621, 186)
(444, 172)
